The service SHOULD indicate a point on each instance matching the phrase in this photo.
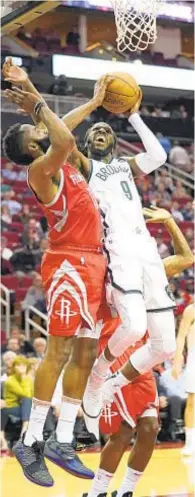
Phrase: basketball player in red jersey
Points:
(73, 272)
(133, 406)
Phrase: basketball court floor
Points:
(168, 474)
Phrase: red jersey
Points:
(73, 215)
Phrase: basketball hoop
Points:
(136, 23)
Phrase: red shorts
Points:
(74, 283)
(136, 400)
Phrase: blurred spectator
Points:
(33, 364)
(32, 234)
(8, 172)
(39, 253)
(172, 396)
(165, 142)
(23, 260)
(180, 191)
(163, 176)
(35, 295)
(188, 211)
(162, 191)
(13, 345)
(18, 392)
(73, 38)
(15, 331)
(13, 205)
(60, 86)
(144, 111)
(25, 346)
(179, 157)
(163, 249)
(7, 361)
(6, 253)
(4, 188)
(157, 112)
(6, 267)
(176, 213)
(6, 217)
(26, 214)
(21, 175)
(183, 112)
(40, 345)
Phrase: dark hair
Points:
(13, 147)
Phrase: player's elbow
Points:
(68, 144)
(188, 260)
(162, 156)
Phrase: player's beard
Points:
(44, 144)
(99, 154)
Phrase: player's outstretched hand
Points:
(136, 107)
(13, 74)
(100, 88)
(156, 214)
(25, 100)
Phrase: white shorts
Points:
(139, 269)
(190, 372)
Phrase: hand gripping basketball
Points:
(122, 94)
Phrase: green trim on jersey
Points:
(90, 170)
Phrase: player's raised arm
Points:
(155, 155)
(183, 256)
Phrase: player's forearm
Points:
(59, 135)
(155, 155)
(28, 86)
(78, 115)
(180, 244)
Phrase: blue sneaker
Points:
(64, 456)
(32, 462)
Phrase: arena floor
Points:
(167, 475)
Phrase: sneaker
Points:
(92, 407)
(99, 495)
(64, 456)
(127, 494)
(32, 462)
(109, 389)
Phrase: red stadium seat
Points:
(10, 281)
(20, 294)
(12, 237)
(18, 227)
(25, 282)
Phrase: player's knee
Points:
(162, 335)
(58, 351)
(123, 436)
(163, 349)
(84, 353)
(148, 429)
(135, 324)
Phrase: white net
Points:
(136, 23)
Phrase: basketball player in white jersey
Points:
(136, 272)
(186, 334)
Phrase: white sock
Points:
(120, 380)
(99, 372)
(130, 481)
(100, 483)
(36, 423)
(189, 437)
(66, 421)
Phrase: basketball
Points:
(121, 94)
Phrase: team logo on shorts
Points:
(169, 293)
(65, 312)
(108, 414)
